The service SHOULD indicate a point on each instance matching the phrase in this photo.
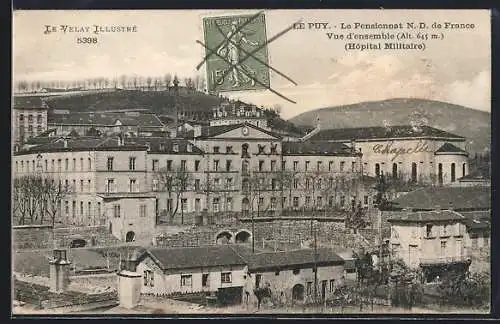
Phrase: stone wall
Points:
(292, 233)
(40, 237)
(103, 281)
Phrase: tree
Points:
(261, 293)
(149, 81)
(53, 195)
(123, 81)
(167, 78)
(175, 183)
(465, 289)
(405, 287)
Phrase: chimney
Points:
(120, 140)
(197, 131)
(59, 271)
(353, 145)
(129, 284)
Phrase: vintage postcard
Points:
(251, 162)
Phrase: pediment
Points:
(247, 132)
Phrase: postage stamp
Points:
(237, 54)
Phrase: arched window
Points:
(377, 169)
(440, 173)
(463, 170)
(453, 172)
(394, 170)
(244, 166)
(414, 174)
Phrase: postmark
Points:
(230, 69)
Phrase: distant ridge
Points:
(472, 124)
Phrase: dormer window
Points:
(176, 148)
(189, 147)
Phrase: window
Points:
(131, 163)
(353, 166)
(216, 149)
(184, 205)
(110, 186)
(116, 211)
(414, 172)
(59, 165)
(89, 187)
(273, 165)
(73, 187)
(149, 278)
(342, 164)
(296, 271)
(46, 165)
(318, 166)
(283, 165)
(132, 185)
(186, 280)
(377, 169)
(295, 165)
(296, 202)
(229, 149)
(74, 164)
(330, 201)
(277, 273)
(169, 165)
(229, 203)
(21, 118)
(216, 165)
(274, 184)
(225, 277)
(229, 183)
(175, 148)
(261, 201)
(197, 205)
(196, 165)
(445, 231)
(183, 165)
(73, 209)
(81, 185)
(89, 208)
(332, 285)
(295, 183)
(142, 210)
(309, 287)
(66, 164)
(307, 201)
(463, 169)
(155, 165)
(30, 118)
(228, 165)
(394, 170)
(453, 177)
(307, 166)
(216, 183)
(244, 150)
(215, 205)
(365, 200)
(110, 164)
(81, 208)
(204, 280)
(273, 203)
(330, 166)
(81, 164)
(261, 165)
(342, 201)
(308, 183)
(319, 201)
(39, 119)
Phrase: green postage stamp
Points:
(236, 50)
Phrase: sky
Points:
(453, 69)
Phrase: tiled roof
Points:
(478, 220)
(79, 144)
(316, 148)
(28, 102)
(427, 216)
(195, 257)
(211, 131)
(106, 119)
(290, 259)
(449, 148)
(166, 145)
(372, 133)
(466, 198)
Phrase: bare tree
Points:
(168, 79)
(123, 81)
(175, 183)
(135, 81)
(149, 81)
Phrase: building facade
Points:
(28, 120)
(421, 154)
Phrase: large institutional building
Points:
(234, 166)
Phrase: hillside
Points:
(473, 124)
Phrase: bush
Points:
(466, 289)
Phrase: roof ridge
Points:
(243, 259)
